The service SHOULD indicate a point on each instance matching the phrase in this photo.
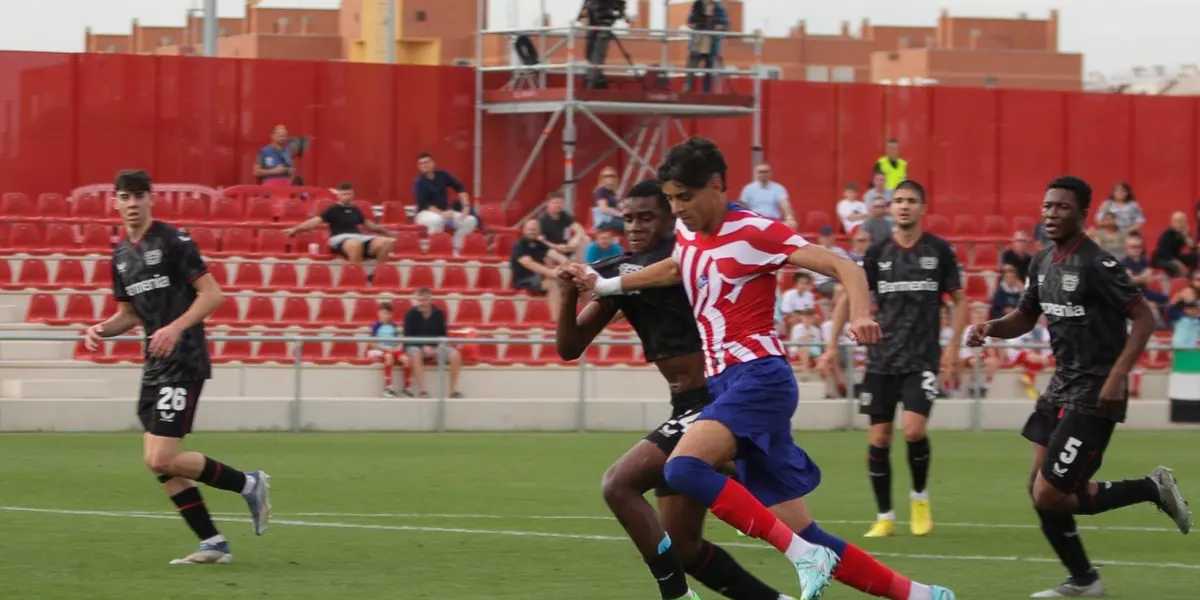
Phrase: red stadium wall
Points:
(69, 120)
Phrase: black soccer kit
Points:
(1086, 296)
(663, 319)
(908, 284)
(344, 220)
(155, 276)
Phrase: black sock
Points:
(879, 465)
(195, 513)
(919, 455)
(667, 569)
(221, 476)
(1063, 535)
(1112, 495)
(718, 571)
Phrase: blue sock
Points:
(813, 534)
(695, 479)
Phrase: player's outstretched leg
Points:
(920, 456)
(163, 457)
(861, 571)
(213, 548)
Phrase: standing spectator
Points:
(1008, 291)
(425, 320)
(704, 50)
(1176, 249)
(1019, 254)
(1108, 236)
(1124, 207)
(878, 190)
(273, 165)
(533, 262)
(435, 210)
(768, 198)
(606, 211)
(345, 238)
(389, 351)
(850, 209)
(1138, 267)
(603, 247)
(559, 228)
(1039, 234)
(893, 168)
(879, 224)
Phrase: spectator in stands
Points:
(824, 284)
(604, 246)
(879, 224)
(435, 210)
(426, 320)
(1176, 250)
(1108, 236)
(388, 352)
(1039, 234)
(799, 297)
(1138, 266)
(533, 262)
(559, 228)
(1019, 254)
(1185, 314)
(851, 210)
(704, 50)
(878, 190)
(1124, 207)
(767, 198)
(345, 238)
(859, 244)
(806, 331)
(273, 165)
(605, 210)
(1008, 291)
(893, 168)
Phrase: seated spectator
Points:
(533, 262)
(435, 210)
(800, 297)
(824, 284)
(1124, 208)
(559, 228)
(851, 210)
(606, 210)
(767, 198)
(963, 376)
(604, 246)
(1108, 236)
(806, 331)
(1185, 314)
(1029, 354)
(1019, 254)
(1039, 234)
(273, 165)
(859, 244)
(425, 320)
(833, 372)
(1138, 267)
(879, 224)
(388, 352)
(1008, 291)
(878, 191)
(345, 238)
(1176, 249)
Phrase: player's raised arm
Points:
(853, 279)
(574, 333)
(663, 273)
(1018, 322)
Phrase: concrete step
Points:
(33, 389)
(26, 350)
(9, 314)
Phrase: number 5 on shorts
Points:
(1070, 451)
(172, 399)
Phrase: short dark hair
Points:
(909, 184)
(135, 181)
(650, 188)
(424, 292)
(386, 306)
(893, 141)
(693, 163)
(851, 186)
(1078, 188)
(801, 275)
(345, 186)
(424, 155)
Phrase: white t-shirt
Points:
(849, 208)
(794, 301)
(820, 278)
(801, 333)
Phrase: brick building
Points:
(959, 51)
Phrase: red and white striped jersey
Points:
(730, 281)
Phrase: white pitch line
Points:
(571, 536)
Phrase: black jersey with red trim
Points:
(908, 284)
(156, 276)
(1086, 295)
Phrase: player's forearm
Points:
(961, 317)
(1013, 325)
(121, 322)
(664, 273)
(854, 280)
(1139, 336)
(841, 311)
(204, 304)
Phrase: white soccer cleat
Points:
(258, 500)
(1069, 589)
(207, 554)
(1171, 501)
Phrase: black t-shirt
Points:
(156, 277)
(1086, 296)
(908, 284)
(1021, 263)
(662, 317)
(555, 228)
(534, 249)
(343, 219)
(418, 325)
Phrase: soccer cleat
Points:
(884, 527)
(1070, 589)
(941, 593)
(690, 596)
(258, 499)
(1171, 501)
(389, 393)
(207, 554)
(815, 569)
(921, 518)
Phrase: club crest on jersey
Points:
(627, 268)
(1041, 278)
(153, 257)
(702, 282)
(885, 266)
(1070, 282)
(121, 267)
(929, 263)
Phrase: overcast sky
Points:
(1113, 35)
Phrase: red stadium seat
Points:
(488, 354)
(127, 351)
(283, 277)
(294, 211)
(502, 245)
(475, 247)
(353, 279)
(34, 273)
(441, 245)
(219, 272)
(60, 238)
(192, 210)
(331, 312)
(937, 225)
(15, 204)
(260, 310)
(419, 276)
(26, 237)
(400, 306)
(454, 279)
(537, 313)
(271, 243)
(236, 241)
(6, 274)
(272, 350)
(346, 352)
(967, 226)
(491, 213)
(302, 244)
(408, 245)
(504, 313)
(815, 220)
(469, 313)
(260, 210)
(5, 231)
(226, 313)
(366, 208)
(247, 276)
(204, 238)
(311, 351)
(394, 214)
(489, 280)
(366, 312)
(963, 253)
(996, 226)
(235, 350)
(226, 210)
(69, 274)
(977, 288)
(96, 238)
(42, 309)
(102, 273)
(52, 207)
(517, 353)
(164, 210)
(986, 256)
(82, 353)
(386, 277)
(623, 354)
(295, 312)
(108, 306)
(90, 208)
(1026, 224)
(318, 278)
(80, 310)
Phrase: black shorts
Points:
(685, 408)
(1075, 444)
(532, 283)
(879, 394)
(169, 409)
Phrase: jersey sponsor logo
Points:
(929, 263)
(153, 257)
(1070, 282)
(890, 287)
(885, 266)
(1063, 310)
(627, 268)
(184, 238)
(141, 287)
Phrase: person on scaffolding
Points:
(704, 50)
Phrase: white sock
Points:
(919, 495)
(890, 515)
(920, 591)
(797, 548)
(216, 539)
(249, 485)
(782, 597)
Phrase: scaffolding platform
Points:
(619, 102)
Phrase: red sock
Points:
(741, 510)
(387, 376)
(407, 379)
(862, 572)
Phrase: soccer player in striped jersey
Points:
(726, 258)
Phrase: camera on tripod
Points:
(600, 13)
(603, 13)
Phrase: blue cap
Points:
(826, 230)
